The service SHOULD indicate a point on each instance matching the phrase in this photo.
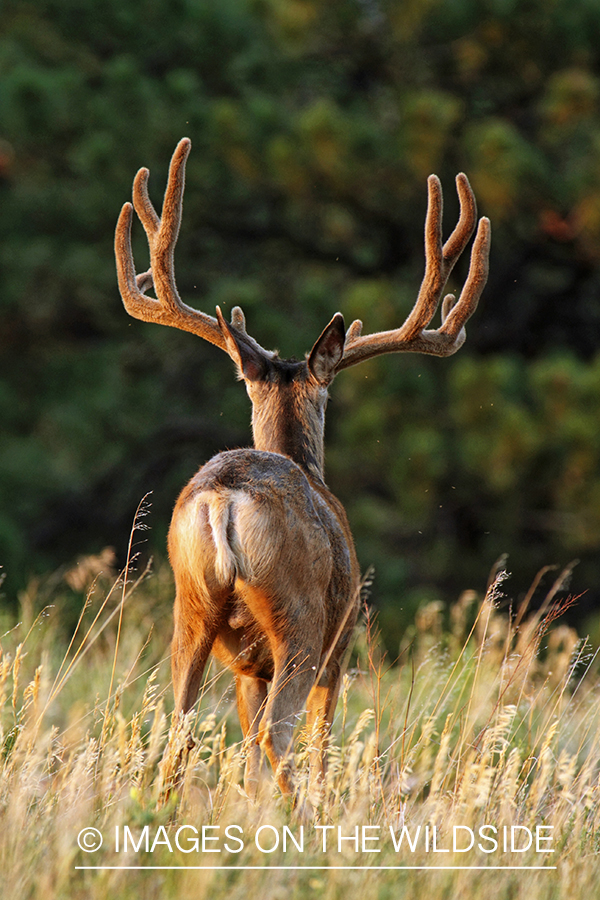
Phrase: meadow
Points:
(468, 766)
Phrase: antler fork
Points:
(440, 259)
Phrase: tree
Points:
(314, 126)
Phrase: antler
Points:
(162, 235)
(413, 335)
(439, 262)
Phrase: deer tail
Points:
(219, 517)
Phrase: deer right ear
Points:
(248, 356)
(328, 351)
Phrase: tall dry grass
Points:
(489, 718)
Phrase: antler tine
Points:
(238, 319)
(455, 314)
(162, 233)
(439, 261)
(465, 226)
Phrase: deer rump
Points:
(263, 571)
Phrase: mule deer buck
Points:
(265, 569)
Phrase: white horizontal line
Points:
(326, 868)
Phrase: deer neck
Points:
(289, 426)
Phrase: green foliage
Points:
(314, 126)
(502, 457)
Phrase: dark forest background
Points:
(314, 126)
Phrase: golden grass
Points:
(488, 722)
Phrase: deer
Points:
(266, 574)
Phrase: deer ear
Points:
(249, 358)
(328, 351)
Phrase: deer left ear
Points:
(328, 351)
(251, 360)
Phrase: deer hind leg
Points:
(293, 625)
(198, 619)
(193, 638)
(321, 705)
(295, 670)
(251, 695)
(190, 650)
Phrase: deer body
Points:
(265, 570)
(265, 576)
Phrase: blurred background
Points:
(314, 126)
